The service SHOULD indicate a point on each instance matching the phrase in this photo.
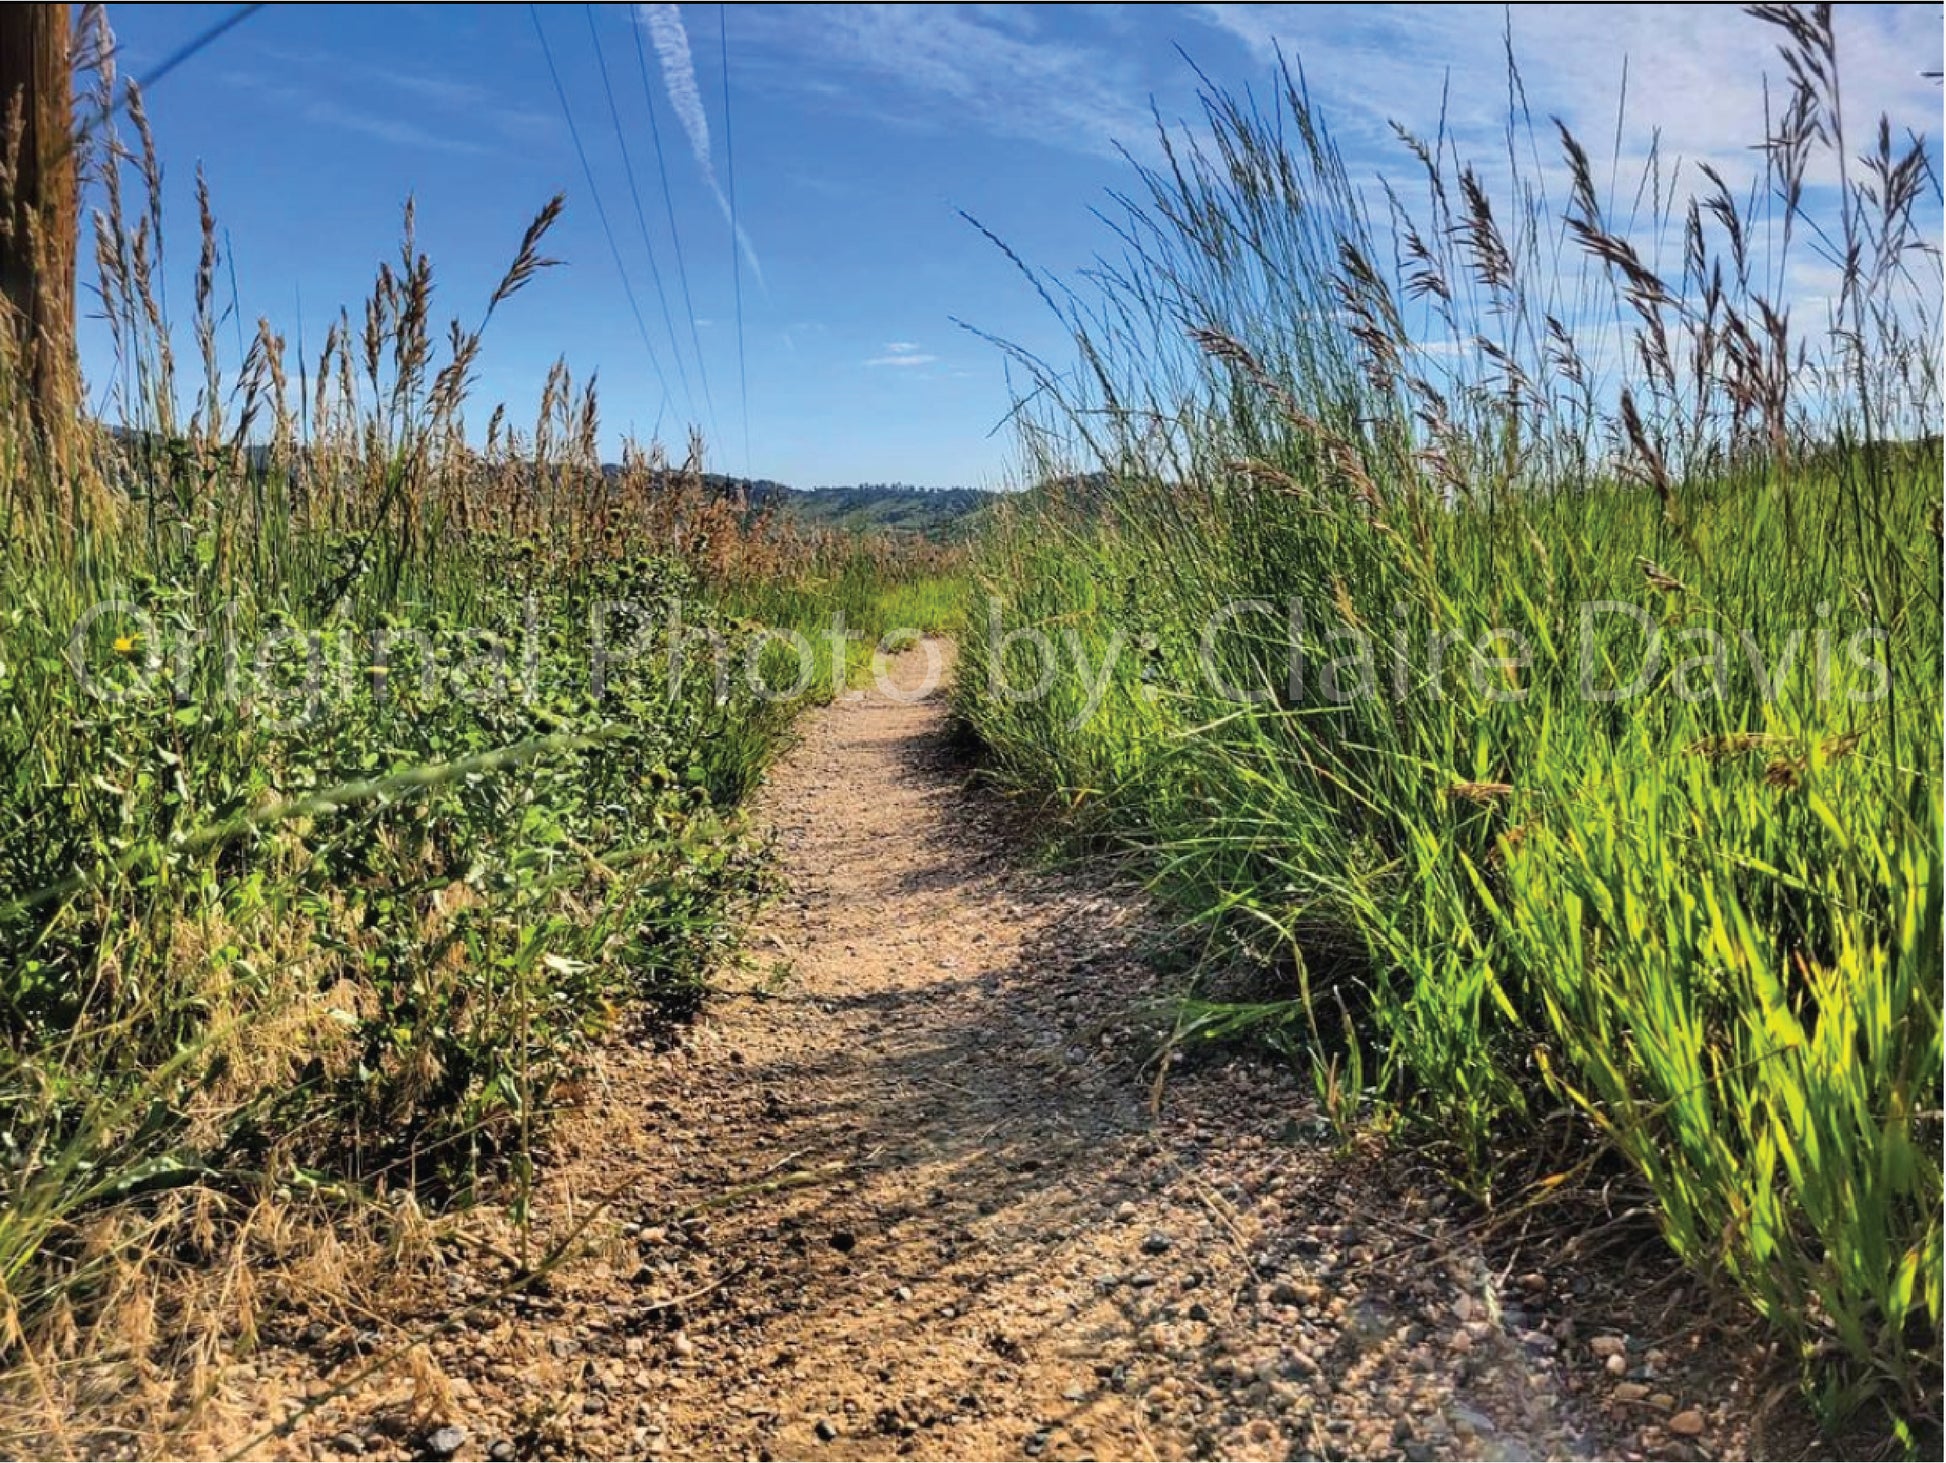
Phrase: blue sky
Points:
(860, 134)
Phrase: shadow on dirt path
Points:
(947, 1223)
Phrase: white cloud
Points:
(322, 99)
(902, 353)
(952, 67)
(388, 130)
(439, 90)
(671, 42)
(323, 111)
(1694, 74)
(1653, 92)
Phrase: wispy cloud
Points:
(1655, 92)
(475, 101)
(671, 42)
(997, 69)
(902, 353)
(384, 129)
(439, 90)
(322, 100)
(1695, 77)
(323, 111)
(1083, 82)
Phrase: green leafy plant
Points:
(1318, 474)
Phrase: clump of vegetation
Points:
(1506, 621)
(359, 771)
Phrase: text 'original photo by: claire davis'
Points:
(971, 732)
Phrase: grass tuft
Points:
(1355, 528)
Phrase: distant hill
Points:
(941, 513)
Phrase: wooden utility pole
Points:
(39, 209)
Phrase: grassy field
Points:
(360, 773)
(1509, 633)
(1503, 624)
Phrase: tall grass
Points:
(1331, 491)
(358, 768)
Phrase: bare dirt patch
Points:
(903, 1189)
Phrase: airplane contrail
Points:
(671, 44)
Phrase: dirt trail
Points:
(948, 1222)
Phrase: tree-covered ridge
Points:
(867, 507)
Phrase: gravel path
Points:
(905, 1189)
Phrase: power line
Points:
(669, 206)
(587, 172)
(145, 83)
(641, 220)
(189, 48)
(736, 265)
